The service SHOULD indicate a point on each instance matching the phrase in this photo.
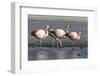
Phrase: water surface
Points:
(54, 53)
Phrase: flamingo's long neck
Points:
(66, 30)
(46, 32)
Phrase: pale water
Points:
(54, 53)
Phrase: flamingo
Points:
(57, 34)
(74, 36)
(41, 34)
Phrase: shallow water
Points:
(55, 53)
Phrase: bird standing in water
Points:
(41, 33)
(57, 34)
(73, 36)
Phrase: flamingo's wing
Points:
(40, 34)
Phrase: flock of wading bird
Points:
(56, 34)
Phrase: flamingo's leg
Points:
(53, 42)
(60, 44)
(73, 45)
(57, 44)
(40, 43)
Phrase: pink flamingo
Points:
(57, 34)
(41, 33)
(74, 36)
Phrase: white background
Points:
(5, 35)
